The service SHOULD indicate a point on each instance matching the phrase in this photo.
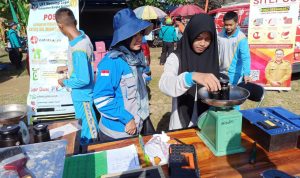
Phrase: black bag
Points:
(148, 128)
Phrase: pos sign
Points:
(48, 50)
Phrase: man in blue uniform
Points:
(15, 50)
(234, 52)
(81, 74)
(168, 34)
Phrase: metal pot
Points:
(237, 96)
(12, 114)
(9, 136)
(41, 133)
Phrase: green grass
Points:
(286, 99)
(12, 90)
(160, 104)
(13, 98)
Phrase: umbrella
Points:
(187, 10)
(149, 12)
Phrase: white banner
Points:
(47, 48)
(273, 24)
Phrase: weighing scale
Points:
(221, 125)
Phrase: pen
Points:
(146, 157)
(179, 141)
(252, 157)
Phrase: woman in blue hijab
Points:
(120, 93)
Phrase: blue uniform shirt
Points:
(14, 39)
(81, 77)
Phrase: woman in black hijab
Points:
(194, 64)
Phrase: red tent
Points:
(230, 8)
(187, 10)
(242, 11)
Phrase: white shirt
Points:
(174, 85)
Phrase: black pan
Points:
(237, 96)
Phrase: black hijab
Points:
(189, 61)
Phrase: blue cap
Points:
(126, 25)
(13, 23)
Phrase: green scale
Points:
(221, 125)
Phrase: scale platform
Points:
(221, 131)
(221, 125)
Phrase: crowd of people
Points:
(120, 94)
(194, 55)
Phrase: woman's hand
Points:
(130, 127)
(208, 80)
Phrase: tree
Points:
(2, 28)
(23, 10)
(3, 11)
(156, 3)
(212, 4)
(21, 7)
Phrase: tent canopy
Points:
(229, 8)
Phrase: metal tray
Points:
(12, 113)
(237, 96)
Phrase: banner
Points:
(47, 48)
(271, 35)
(297, 44)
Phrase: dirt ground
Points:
(14, 90)
(14, 86)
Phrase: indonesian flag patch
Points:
(105, 73)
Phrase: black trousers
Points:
(167, 49)
(15, 57)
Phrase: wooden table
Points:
(235, 165)
(73, 139)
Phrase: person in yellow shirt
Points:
(278, 70)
